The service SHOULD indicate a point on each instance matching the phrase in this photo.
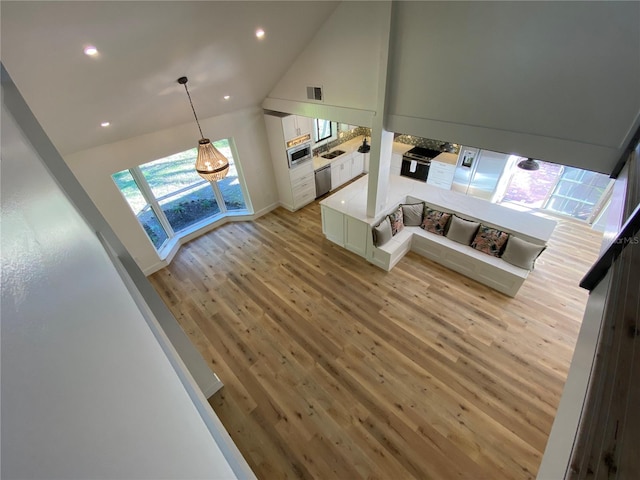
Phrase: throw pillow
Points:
(461, 230)
(396, 221)
(435, 221)
(521, 253)
(490, 240)
(382, 232)
(412, 213)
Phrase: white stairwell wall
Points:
(87, 389)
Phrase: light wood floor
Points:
(335, 369)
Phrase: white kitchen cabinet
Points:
(441, 174)
(296, 186)
(294, 126)
(356, 233)
(333, 225)
(303, 185)
(357, 164)
(335, 176)
(365, 167)
(340, 171)
(396, 163)
(345, 230)
(345, 168)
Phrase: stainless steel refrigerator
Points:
(479, 172)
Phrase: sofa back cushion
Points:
(490, 240)
(461, 230)
(521, 253)
(412, 214)
(382, 232)
(435, 221)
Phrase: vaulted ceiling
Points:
(143, 48)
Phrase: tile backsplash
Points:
(425, 142)
(344, 136)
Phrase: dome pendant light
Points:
(210, 164)
(529, 164)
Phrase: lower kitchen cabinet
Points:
(441, 174)
(346, 168)
(345, 231)
(365, 161)
(340, 171)
(301, 187)
(357, 164)
(335, 175)
(333, 225)
(356, 233)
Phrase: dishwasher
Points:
(323, 180)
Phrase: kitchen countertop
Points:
(448, 158)
(352, 145)
(349, 147)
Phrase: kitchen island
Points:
(346, 223)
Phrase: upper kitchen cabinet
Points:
(295, 126)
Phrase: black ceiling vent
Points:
(314, 93)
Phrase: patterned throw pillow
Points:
(435, 221)
(396, 221)
(490, 240)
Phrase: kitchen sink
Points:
(332, 155)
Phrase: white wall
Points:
(87, 391)
(94, 168)
(343, 58)
(552, 80)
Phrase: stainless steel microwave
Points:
(298, 154)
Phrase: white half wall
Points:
(94, 168)
(87, 391)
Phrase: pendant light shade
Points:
(210, 164)
(529, 164)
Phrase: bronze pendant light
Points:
(529, 164)
(210, 164)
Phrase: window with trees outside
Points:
(323, 129)
(170, 199)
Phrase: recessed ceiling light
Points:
(90, 50)
(260, 33)
(227, 97)
(105, 124)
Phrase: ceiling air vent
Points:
(314, 93)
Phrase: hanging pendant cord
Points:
(193, 109)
